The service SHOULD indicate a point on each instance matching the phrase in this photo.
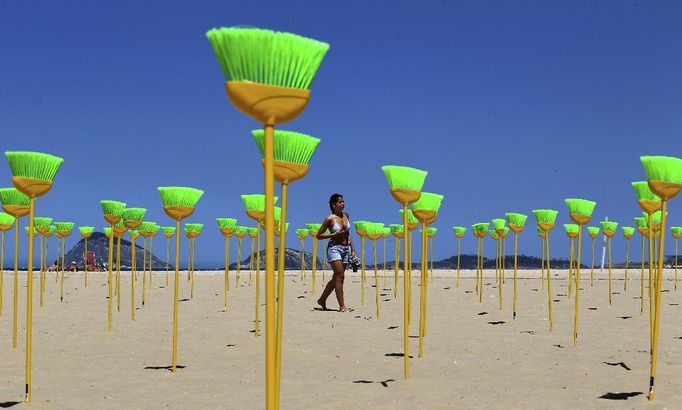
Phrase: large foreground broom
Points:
(33, 173)
(546, 219)
(516, 223)
(405, 185)
(178, 204)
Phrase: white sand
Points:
(342, 361)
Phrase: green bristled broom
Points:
(516, 223)
(405, 185)
(178, 204)
(480, 231)
(64, 230)
(546, 219)
(134, 234)
(312, 230)
(226, 226)
(664, 175)
(32, 174)
(119, 230)
(362, 233)
(385, 233)
(152, 234)
(398, 233)
(542, 234)
(572, 233)
(301, 234)
(168, 233)
(193, 230)
(609, 229)
(643, 230)
(593, 231)
(459, 232)
(496, 237)
(15, 203)
(499, 225)
(676, 232)
(240, 232)
(431, 233)
(412, 224)
(628, 231)
(6, 223)
(268, 78)
(86, 232)
(148, 230)
(373, 233)
(112, 214)
(42, 225)
(132, 219)
(107, 231)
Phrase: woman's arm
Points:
(323, 228)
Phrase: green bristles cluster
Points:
(593, 230)
(373, 228)
(505, 230)
(86, 230)
(266, 56)
(545, 215)
(459, 230)
(107, 231)
(64, 226)
(193, 227)
(33, 165)
(431, 231)
(226, 223)
(289, 146)
(119, 224)
(302, 233)
(580, 206)
(6, 219)
(628, 230)
(359, 226)
(35, 232)
(675, 230)
(428, 202)
(41, 222)
(664, 169)
(399, 177)
(571, 228)
(644, 192)
(13, 197)
(250, 230)
(609, 226)
(410, 217)
(278, 213)
(180, 196)
(134, 233)
(133, 214)
(494, 234)
(313, 228)
(385, 232)
(516, 219)
(154, 228)
(168, 229)
(541, 231)
(498, 223)
(112, 207)
(396, 228)
(147, 226)
(286, 227)
(480, 227)
(641, 222)
(52, 230)
(256, 202)
(656, 217)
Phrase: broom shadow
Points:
(620, 396)
(383, 383)
(8, 404)
(164, 367)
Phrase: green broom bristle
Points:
(431, 231)
(179, 196)
(302, 233)
(289, 146)
(226, 223)
(505, 230)
(266, 56)
(42, 222)
(359, 226)
(516, 219)
(493, 234)
(656, 217)
(112, 207)
(541, 231)
(85, 230)
(134, 233)
(372, 228)
(13, 197)
(399, 177)
(249, 230)
(628, 230)
(545, 215)
(461, 230)
(133, 214)
(52, 229)
(35, 232)
(147, 226)
(396, 228)
(480, 227)
(428, 201)
(410, 216)
(498, 223)
(593, 230)
(644, 192)
(119, 224)
(168, 229)
(571, 228)
(660, 168)
(33, 165)
(193, 227)
(256, 202)
(580, 206)
(675, 230)
(641, 222)
(107, 231)
(385, 232)
(6, 219)
(64, 226)
(608, 225)
(154, 229)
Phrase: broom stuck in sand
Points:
(112, 214)
(42, 225)
(168, 233)
(398, 234)
(301, 234)
(516, 223)
(593, 231)
(226, 226)
(643, 230)
(459, 232)
(546, 219)
(6, 223)
(628, 231)
(480, 231)
(64, 230)
(85, 232)
(676, 232)
(609, 229)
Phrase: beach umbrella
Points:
(226, 226)
(301, 234)
(42, 225)
(112, 214)
(516, 223)
(178, 204)
(676, 232)
(643, 230)
(593, 231)
(609, 229)
(168, 233)
(664, 175)
(405, 185)
(15, 203)
(240, 232)
(32, 174)
(546, 219)
(271, 93)
(134, 234)
(459, 232)
(360, 228)
(398, 233)
(373, 233)
(628, 231)
(6, 223)
(64, 230)
(86, 232)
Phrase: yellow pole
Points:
(132, 277)
(362, 271)
(676, 240)
(227, 264)
(16, 282)
(570, 269)
(41, 271)
(592, 266)
(144, 261)
(431, 254)
(2, 270)
(652, 307)
(499, 269)
(280, 291)
(657, 318)
(302, 257)
(627, 257)
(167, 257)
(641, 281)
(406, 295)
(422, 291)
(176, 296)
(549, 283)
(151, 240)
(257, 333)
(191, 244)
(409, 275)
(110, 280)
(396, 266)
(480, 286)
(459, 241)
(85, 264)
(270, 384)
(385, 262)
(29, 297)
(577, 288)
(118, 272)
(516, 250)
(478, 262)
(61, 297)
(608, 244)
(376, 276)
(542, 271)
(314, 267)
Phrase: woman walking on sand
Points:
(339, 249)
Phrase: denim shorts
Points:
(337, 252)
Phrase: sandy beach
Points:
(476, 356)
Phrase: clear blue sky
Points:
(510, 106)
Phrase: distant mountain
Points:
(99, 244)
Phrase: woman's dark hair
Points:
(333, 199)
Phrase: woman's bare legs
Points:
(335, 284)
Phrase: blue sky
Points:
(510, 106)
